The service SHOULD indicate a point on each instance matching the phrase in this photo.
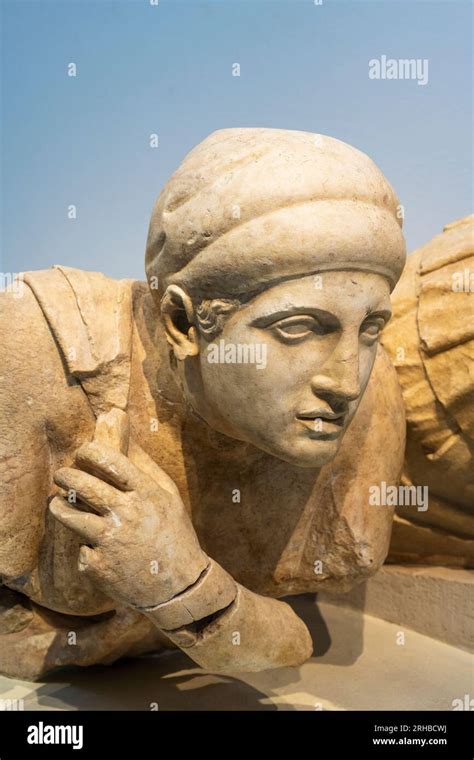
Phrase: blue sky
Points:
(167, 69)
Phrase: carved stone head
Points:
(272, 254)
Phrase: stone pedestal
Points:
(435, 601)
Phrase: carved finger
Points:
(88, 526)
(101, 496)
(105, 462)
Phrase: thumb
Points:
(147, 465)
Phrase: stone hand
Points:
(140, 547)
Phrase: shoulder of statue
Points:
(90, 316)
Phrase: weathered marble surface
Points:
(210, 489)
(430, 340)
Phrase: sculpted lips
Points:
(322, 423)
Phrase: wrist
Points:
(213, 591)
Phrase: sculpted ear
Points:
(177, 312)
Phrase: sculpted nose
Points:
(339, 376)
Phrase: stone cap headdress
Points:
(251, 206)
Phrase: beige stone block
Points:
(435, 601)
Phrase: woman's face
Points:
(289, 368)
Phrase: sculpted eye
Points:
(371, 329)
(296, 328)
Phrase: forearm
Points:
(141, 549)
(232, 629)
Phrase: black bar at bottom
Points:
(65, 734)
